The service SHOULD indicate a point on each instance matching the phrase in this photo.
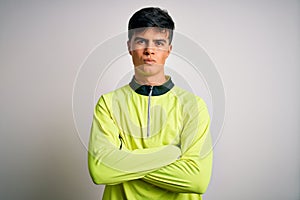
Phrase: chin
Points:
(149, 69)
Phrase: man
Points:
(148, 137)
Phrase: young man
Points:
(147, 137)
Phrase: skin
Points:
(149, 50)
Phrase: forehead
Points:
(151, 33)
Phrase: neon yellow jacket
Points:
(151, 143)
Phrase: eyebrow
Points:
(157, 40)
(139, 38)
(161, 40)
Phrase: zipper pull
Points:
(151, 89)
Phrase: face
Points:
(149, 50)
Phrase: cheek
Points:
(136, 57)
(164, 56)
(136, 53)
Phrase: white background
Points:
(254, 44)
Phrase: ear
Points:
(129, 47)
(169, 49)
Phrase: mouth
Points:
(149, 61)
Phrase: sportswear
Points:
(151, 142)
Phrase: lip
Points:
(149, 61)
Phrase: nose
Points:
(149, 50)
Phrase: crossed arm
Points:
(110, 165)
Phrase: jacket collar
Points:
(156, 90)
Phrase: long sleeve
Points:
(191, 173)
(110, 165)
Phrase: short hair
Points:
(151, 17)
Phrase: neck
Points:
(150, 80)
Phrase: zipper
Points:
(149, 104)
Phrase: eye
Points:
(141, 42)
(159, 43)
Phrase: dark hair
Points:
(151, 17)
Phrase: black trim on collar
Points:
(156, 90)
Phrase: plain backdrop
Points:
(255, 46)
